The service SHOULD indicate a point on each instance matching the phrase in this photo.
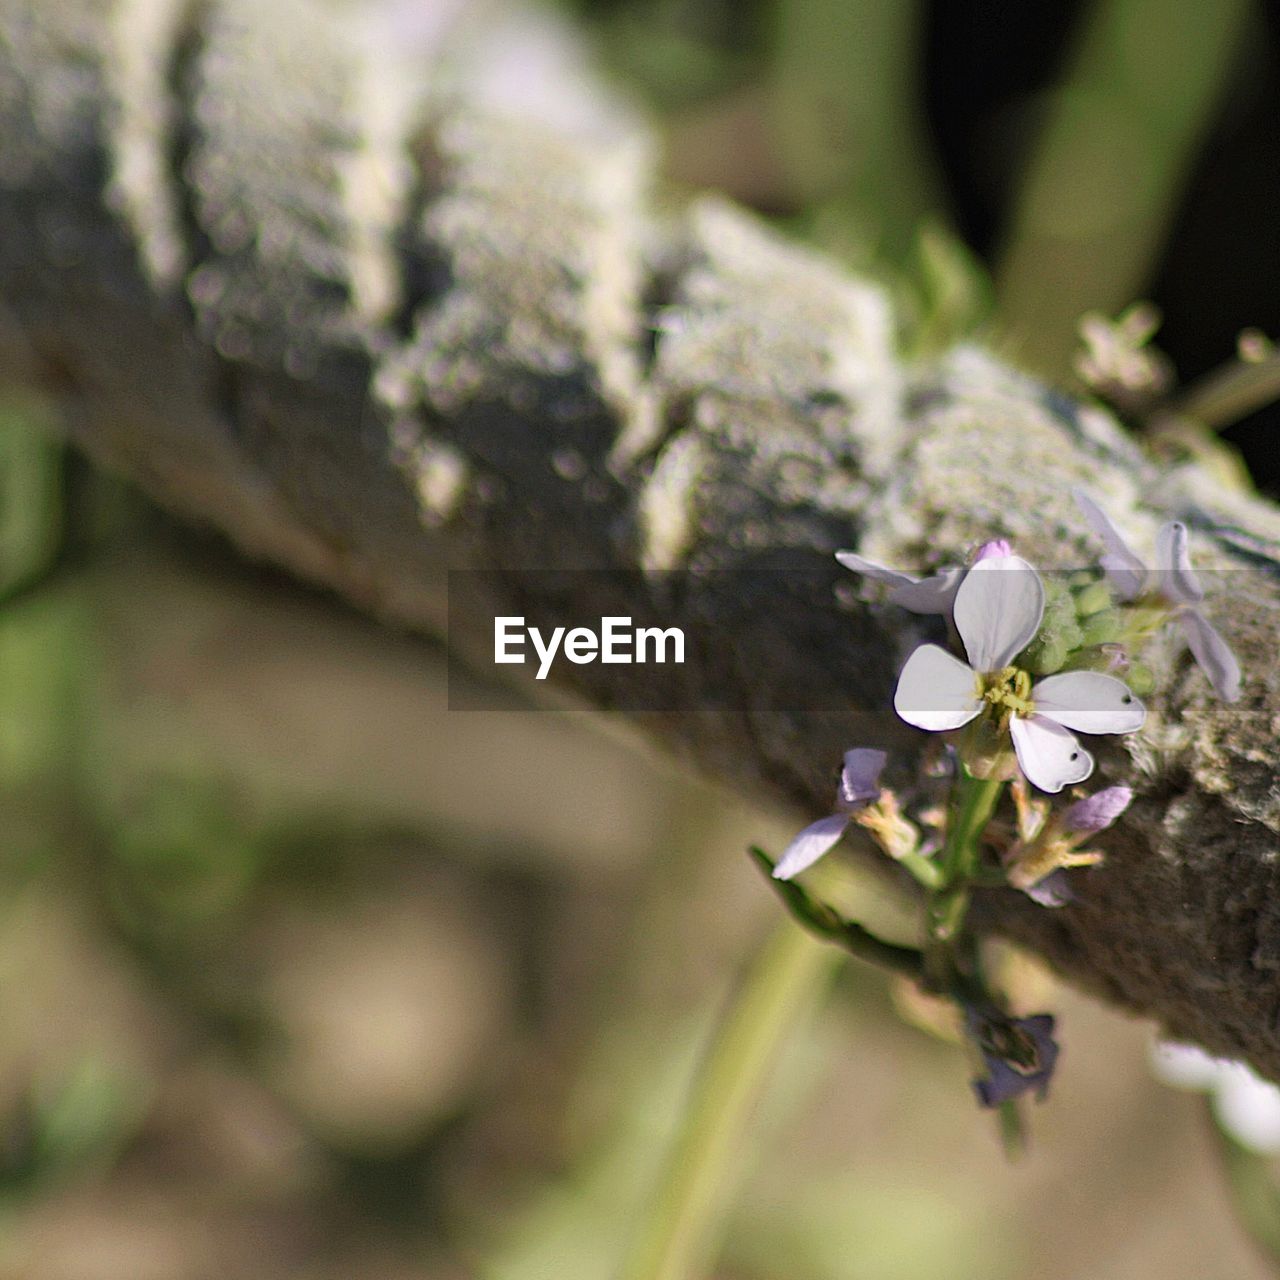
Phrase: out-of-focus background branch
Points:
(307, 976)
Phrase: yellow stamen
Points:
(1008, 691)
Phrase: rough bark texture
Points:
(301, 287)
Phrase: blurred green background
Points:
(301, 976)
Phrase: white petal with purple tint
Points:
(1126, 572)
(1098, 811)
(998, 610)
(876, 572)
(1212, 654)
(1088, 702)
(936, 691)
(860, 777)
(934, 594)
(1178, 582)
(1048, 754)
(1053, 891)
(810, 845)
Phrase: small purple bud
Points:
(994, 550)
(1054, 890)
(1098, 811)
(860, 777)
(1117, 658)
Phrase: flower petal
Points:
(860, 777)
(934, 594)
(1177, 581)
(1054, 890)
(1185, 1066)
(1049, 755)
(1097, 812)
(936, 691)
(1088, 702)
(876, 572)
(810, 845)
(1248, 1108)
(1212, 654)
(1126, 572)
(998, 610)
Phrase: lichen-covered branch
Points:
(326, 296)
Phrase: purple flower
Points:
(859, 785)
(1019, 1054)
(1038, 860)
(998, 610)
(1175, 582)
(1097, 812)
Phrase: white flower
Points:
(998, 610)
(1245, 1105)
(859, 785)
(1175, 582)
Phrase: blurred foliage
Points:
(1084, 154)
(30, 507)
(1124, 125)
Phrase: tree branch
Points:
(374, 330)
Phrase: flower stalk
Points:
(679, 1235)
(959, 867)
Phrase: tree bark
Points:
(304, 286)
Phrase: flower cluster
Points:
(1044, 661)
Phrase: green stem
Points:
(977, 802)
(678, 1238)
(925, 870)
(1231, 393)
(946, 908)
(826, 923)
